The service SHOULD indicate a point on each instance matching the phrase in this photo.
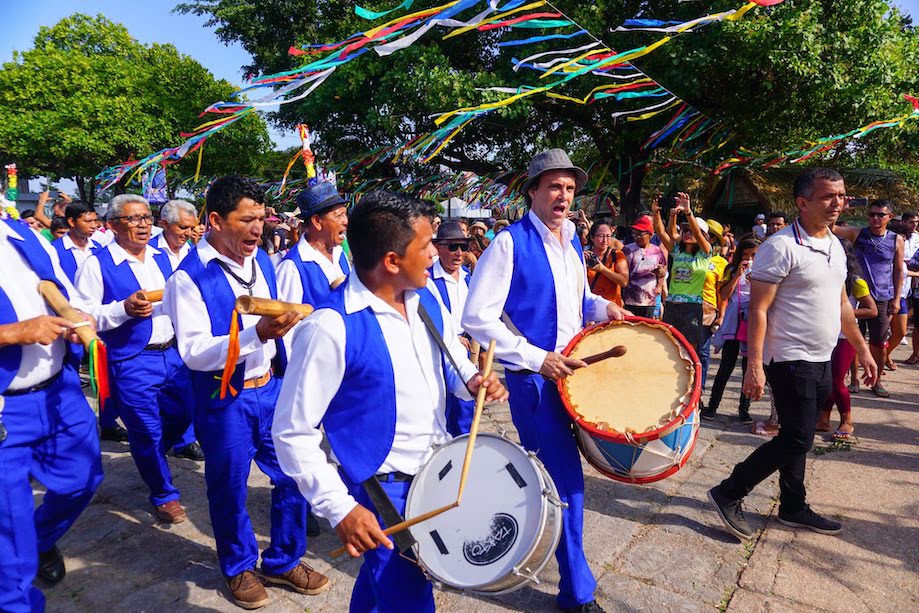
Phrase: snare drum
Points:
(507, 526)
(636, 416)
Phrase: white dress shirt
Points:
(457, 291)
(200, 350)
(174, 258)
(318, 360)
(491, 284)
(112, 315)
(20, 283)
(103, 236)
(290, 287)
(79, 255)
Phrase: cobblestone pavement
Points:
(651, 547)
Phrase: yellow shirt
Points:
(713, 279)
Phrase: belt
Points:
(161, 346)
(257, 382)
(35, 388)
(394, 477)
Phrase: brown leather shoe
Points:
(301, 578)
(247, 590)
(170, 513)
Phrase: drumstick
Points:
(59, 304)
(266, 307)
(474, 351)
(408, 523)
(474, 428)
(616, 352)
(152, 296)
(337, 282)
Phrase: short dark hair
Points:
(59, 223)
(75, 211)
(881, 203)
(224, 194)
(382, 222)
(603, 221)
(907, 215)
(804, 182)
(776, 215)
(27, 213)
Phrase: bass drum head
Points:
(496, 526)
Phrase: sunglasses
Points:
(456, 246)
(878, 215)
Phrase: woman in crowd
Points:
(732, 336)
(692, 258)
(844, 353)
(607, 269)
(647, 265)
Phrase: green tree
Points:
(782, 76)
(88, 96)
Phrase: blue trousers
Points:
(154, 396)
(109, 415)
(705, 352)
(545, 428)
(459, 415)
(231, 438)
(387, 582)
(187, 439)
(52, 438)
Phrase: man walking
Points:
(797, 304)
(880, 252)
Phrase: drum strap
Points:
(432, 330)
(403, 539)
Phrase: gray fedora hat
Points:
(553, 159)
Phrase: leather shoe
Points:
(589, 607)
(301, 578)
(312, 525)
(192, 451)
(51, 566)
(170, 512)
(115, 433)
(247, 590)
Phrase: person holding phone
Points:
(607, 270)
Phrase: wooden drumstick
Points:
(405, 525)
(474, 350)
(474, 428)
(62, 307)
(337, 282)
(266, 307)
(151, 296)
(616, 352)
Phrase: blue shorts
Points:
(904, 307)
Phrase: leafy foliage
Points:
(782, 76)
(88, 95)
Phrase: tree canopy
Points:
(782, 76)
(88, 95)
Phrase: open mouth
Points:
(559, 209)
(251, 244)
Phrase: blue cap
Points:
(318, 198)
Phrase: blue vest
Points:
(34, 253)
(361, 419)
(315, 283)
(219, 301)
(118, 283)
(68, 260)
(531, 303)
(442, 287)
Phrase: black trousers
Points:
(728, 361)
(800, 390)
(641, 311)
(687, 318)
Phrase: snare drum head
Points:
(643, 390)
(498, 521)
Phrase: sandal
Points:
(854, 388)
(764, 429)
(823, 425)
(842, 435)
(912, 360)
(880, 392)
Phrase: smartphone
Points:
(667, 202)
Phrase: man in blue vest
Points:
(366, 348)
(236, 368)
(529, 293)
(149, 382)
(47, 430)
(76, 246)
(317, 260)
(451, 280)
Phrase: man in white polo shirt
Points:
(797, 305)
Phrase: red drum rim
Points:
(643, 437)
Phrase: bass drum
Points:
(506, 528)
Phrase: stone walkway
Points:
(656, 547)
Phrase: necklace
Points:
(246, 285)
(876, 241)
